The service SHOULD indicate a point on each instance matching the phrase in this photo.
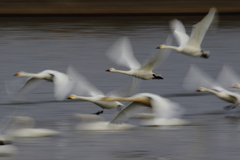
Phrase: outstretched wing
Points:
(159, 56)
(179, 32)
(228, 77)
(81, 84)
(126, 91)
(196, 78)
(121, 53)
(127, 112)
(63, 85)
(199, 30)
(29, 85)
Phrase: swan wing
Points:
(199, 30)
(196, 78)
(159, 56)
(164, 108)
(126, 91)
(121, 53)
(29, 85)
(127, 112)
(81, 85)
(63, 85)
(228, 77)
(179, 32)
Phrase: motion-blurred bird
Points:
(83, 87)
(62, 83)
(196, 78)
(191, 45)
(121, 52)
(164, 110)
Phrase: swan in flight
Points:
(196, 78)
(191, 45)
(121, 52)
(62, 83)
(83, 87)
(164, 110)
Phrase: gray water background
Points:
(33, 44)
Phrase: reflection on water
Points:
(36, 44)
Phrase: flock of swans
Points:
(73, 85)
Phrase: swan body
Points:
(122, 54)
(191, 45)
(62, 82)
(162, 107)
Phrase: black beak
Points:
(107, 70)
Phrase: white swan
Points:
(62, 83)
(121, 52)
(164, 109)
(196, 78)
(23, 127)
(83, 87)
(191, 45)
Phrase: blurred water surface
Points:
(33, 44)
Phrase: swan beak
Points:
(17, 74)
(159, 47)
(108, 70)
(70, 97)
(198, 90)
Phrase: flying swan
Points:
(121, 52)
(191, 45)
(62, 83)
(196, 78)
(166, 112)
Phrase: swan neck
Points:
(24, 74)
(211, 91)
(143, 100)
(83, 98)
(171, 47)
(123, 72)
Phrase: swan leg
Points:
(230, 107)
(99, 112)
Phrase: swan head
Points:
(161, 46)
(201, 89)
(205, 54)
(18, 74)
(236, 86)
(110, 70)
(72, 96)
(156, 76)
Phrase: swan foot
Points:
(230, 107)
(99, 112)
